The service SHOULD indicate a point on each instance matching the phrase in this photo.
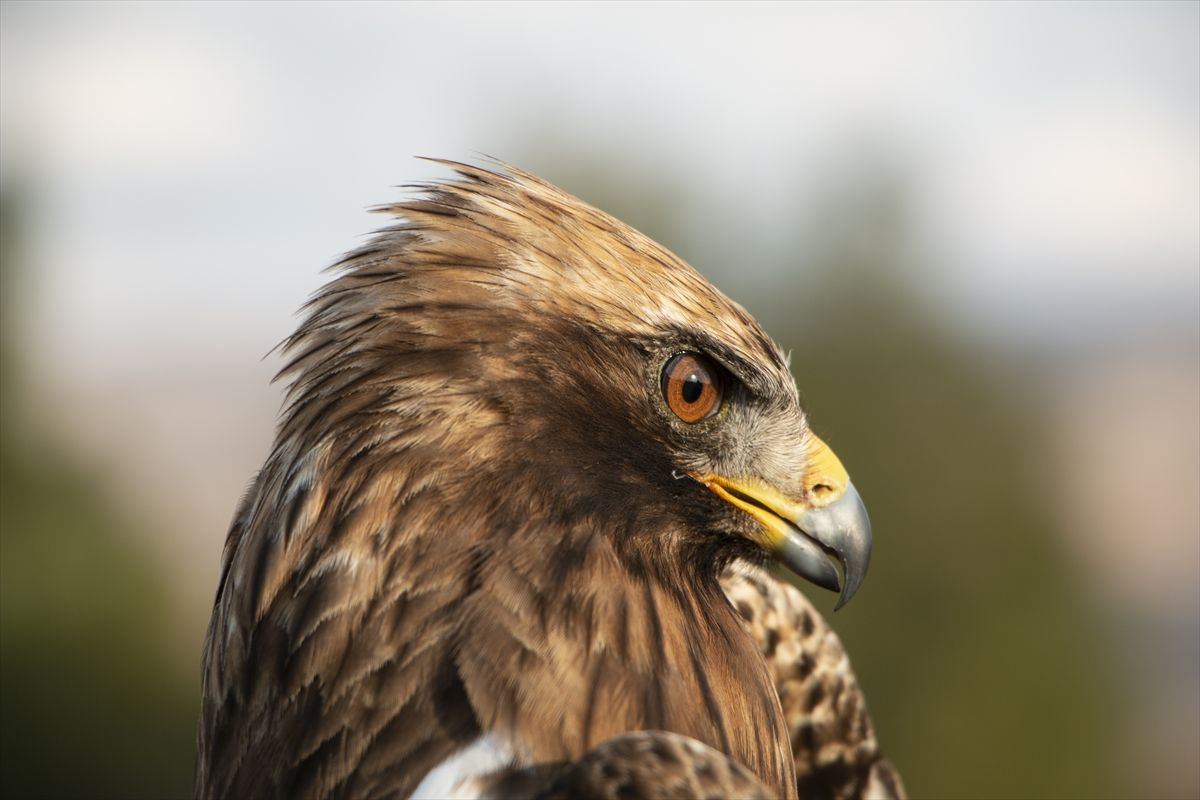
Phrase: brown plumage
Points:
(484, 527)
(833, 741)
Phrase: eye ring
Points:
(693, 386)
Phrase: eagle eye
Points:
(693, 386)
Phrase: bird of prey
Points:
(510, 538)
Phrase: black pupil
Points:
(693, 387)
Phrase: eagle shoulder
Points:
(832, 738)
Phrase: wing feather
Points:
(833, 742)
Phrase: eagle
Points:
(513, 536)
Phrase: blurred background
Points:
(976, 226)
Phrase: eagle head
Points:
(539, 359)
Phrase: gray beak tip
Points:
(844, 529)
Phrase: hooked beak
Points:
(830, 520)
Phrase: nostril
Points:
(823, 492)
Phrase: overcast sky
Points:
(200, 163)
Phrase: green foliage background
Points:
(92, 701)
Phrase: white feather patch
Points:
(457, 778)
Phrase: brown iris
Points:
(692, 386)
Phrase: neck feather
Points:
(599, 649)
